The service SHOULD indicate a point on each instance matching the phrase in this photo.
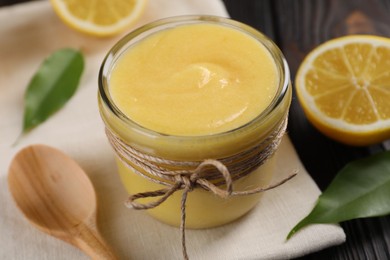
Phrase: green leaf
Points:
(361, 189)
(52, 86)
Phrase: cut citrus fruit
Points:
(99, 17)
(343, 86)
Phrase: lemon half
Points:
(343, 86)
(99, 17)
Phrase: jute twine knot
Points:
(209, 174)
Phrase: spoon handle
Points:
(89, 240)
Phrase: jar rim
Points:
(174, 21)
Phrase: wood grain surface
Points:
(297, 27)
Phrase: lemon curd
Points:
(192, 80)
(195, 88)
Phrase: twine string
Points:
(209, 174)
(183, 222)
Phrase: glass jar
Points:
(203, 208)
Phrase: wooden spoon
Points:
(56, 195)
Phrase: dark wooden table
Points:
(297, 26)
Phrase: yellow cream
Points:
(194, 80)
(191, 91)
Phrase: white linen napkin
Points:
(29, 33)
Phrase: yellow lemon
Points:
(99, 17)
(343, 86)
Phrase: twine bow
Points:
(208, 174)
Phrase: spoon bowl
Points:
(56, 195)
